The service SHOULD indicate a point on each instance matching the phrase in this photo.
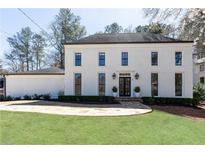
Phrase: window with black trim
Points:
(178, 84)
(101, 59)
(124, 59)
(154, 58)
(154, 84)
(201, 67)
(77, 59)
(77, 84)
(101, 84)
(202, 80)
(178, 58)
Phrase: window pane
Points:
(178, 84)
(77, 84)
(154, 58)
(77, 59)
(101, 59)
(201, 67)
(154, 84)
(101, 84)
(202, 80)
(124, 58)
(1, 83)
(178, 58)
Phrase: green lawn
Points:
(153, 128)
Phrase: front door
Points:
(124, 86)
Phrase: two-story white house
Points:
(160, 66)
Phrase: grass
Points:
(153, 128)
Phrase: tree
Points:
(129, 29)
(27, 50)
(157, 28)
(113, 28)
(191, 23)
(198, 93)
(38, 45)
(65, 28)
(21, 47)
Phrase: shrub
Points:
(198, 94)
(137, 89)
(114, 89)
(60, 93)
(167, 101)
(46, 97)
(8, 98)
(90, 99)
(2, 98)
(36, 96)
(27, 97)
(17, 98)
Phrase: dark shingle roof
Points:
(46, 71)
(126, 38)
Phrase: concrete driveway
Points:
(50, 107)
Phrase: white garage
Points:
(45, 81)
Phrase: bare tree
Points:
(65, 28)
(191, 22)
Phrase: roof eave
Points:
(79, 43)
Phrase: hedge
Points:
(89, 99)
(168, 101)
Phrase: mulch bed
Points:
(197, 113)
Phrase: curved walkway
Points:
(50, 107)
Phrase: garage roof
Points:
(143, 37)
(46, 71)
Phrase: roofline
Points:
(34, 73)
(80, 43)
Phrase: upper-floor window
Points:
(124, 58)
(154, 58)
(77, 59)
(101, 59)
(178, 58)
(201, 67)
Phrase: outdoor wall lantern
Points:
(114, 76)
(136, 76)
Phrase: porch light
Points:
(114, 76)
(136, 76)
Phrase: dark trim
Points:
(35, 73)
(79, 43)
(4, 85)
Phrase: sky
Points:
(12, 20)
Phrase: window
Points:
(154, 58)
(101, 59)
(178, 84)
(1, 83)
(201, 67)
(178, 58)
(124, 58)
(101, 82)
(202, 80)
(77, 59)
(77, 84)
(154, 84)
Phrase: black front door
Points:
(124, 86)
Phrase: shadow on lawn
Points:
(193, 112)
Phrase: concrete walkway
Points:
(60, 108)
